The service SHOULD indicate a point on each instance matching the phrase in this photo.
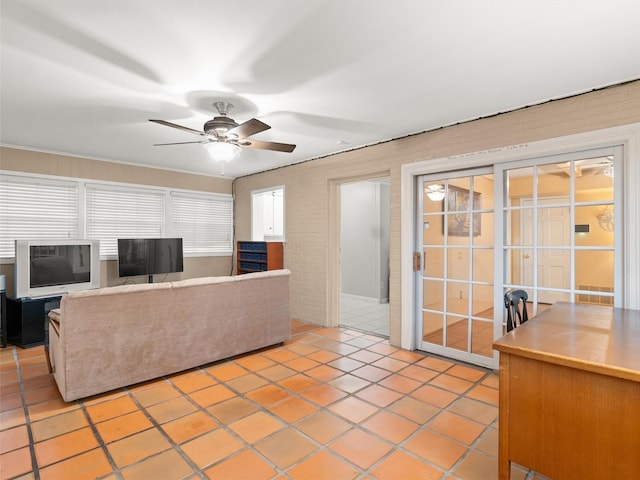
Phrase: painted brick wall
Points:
(307, 185)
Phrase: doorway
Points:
(364, 255)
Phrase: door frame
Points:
(627, 136)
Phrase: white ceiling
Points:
(82, 77)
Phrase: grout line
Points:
(96, 433)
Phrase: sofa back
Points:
(117, 336)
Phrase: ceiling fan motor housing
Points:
(219, 125)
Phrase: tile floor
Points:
(329, 404)
(364, 314)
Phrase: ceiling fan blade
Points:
(175, 143)
(278, 147)
(179, 127)
(248, 128)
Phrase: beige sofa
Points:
(104, 339)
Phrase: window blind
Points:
(34, 208)
(205, 222)
(114, 212)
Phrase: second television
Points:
(149, 256)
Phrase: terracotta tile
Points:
(92, 464)
(324, 373)
(41, 394)
(65, 446)
(12, 418)
(468, 373)
(475, 410)
(268, 395)
(111, 408)
(346, 364)
(363, 342)
(392, 427)
(323, 356)
(194, 382)
(400, 384)
(256, 426)
(323, 466)
(281, 355)
(211, 395)
(171, 409)
(435, 364)
(484, 394)
(415, 410)
(371, 373)
(349, 383)
(400, 465)
(453, 384)
(156, 394)
(211, 447)
(301, 364)
(293, 409)
(123, 426)
(435, 449)
(303, 348)
(390, 364)
(298, 383)
(382, 348)
(226, 371)
(246, 383)
(378, 395)
(477, 466)
(365, 356)
(30, 372)
(435, 396)
(54, 426)
(488, 443)
(457, 427)
(10, 383)
(232, 410)
(407, 356)
(418, 373)
(14, 463)
(136, 447)
(254, 362)
(112, 395)
(323, 427)
(244, 465)
(285, 447)
(343, 349)
(10, 401)
(323, 394)
(491, 380)
(189, 426)
(277, 373)
(360, 448)
(353, 409)
(13, 438)
(38, 382)
(168, 464)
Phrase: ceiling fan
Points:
(224, 136)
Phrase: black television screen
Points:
(149, 256)
(59, 264)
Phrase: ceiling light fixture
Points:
(222, 151)
(435, 192)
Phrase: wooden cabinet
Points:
(258, 256)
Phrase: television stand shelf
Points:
(27, 321)
(258, 256)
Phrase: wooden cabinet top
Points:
(588, 337)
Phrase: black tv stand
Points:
(150, 278)
(27, 319)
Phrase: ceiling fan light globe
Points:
(222, 151)
(435, 192)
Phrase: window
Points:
(34, 207)
(205, 222)
(114, 212)
(267, 214)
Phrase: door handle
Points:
(416, 261)
(525, 256)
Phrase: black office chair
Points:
(515, 301)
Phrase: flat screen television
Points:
(149, 256)
(53, 267)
